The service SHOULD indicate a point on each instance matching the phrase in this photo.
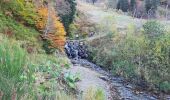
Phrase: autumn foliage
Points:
(42, 19)
(53, 29)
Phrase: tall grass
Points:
(18, 72)
(12, 62)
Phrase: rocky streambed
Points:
(126, 91)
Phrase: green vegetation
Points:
(141, 56)
(33, 75)
(26, 71)
(47, 71)
(67, 17)
(22, 11)
(12, 64)
(94, 94)
(71, 79)
(153, 29)
(31, 72)
(24, 76)
(14, 29)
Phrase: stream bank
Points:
(77, 53)
(126, 91)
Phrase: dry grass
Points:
(94, 94)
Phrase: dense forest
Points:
(84, 49)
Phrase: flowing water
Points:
(126, 91)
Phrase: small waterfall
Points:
(76, 50)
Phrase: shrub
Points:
(71, 79)
(73, 30)
(137, 57)
(140, 56)
(46, 70)
(153, 28)
(17, 30)
(23, 11)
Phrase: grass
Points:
(138, 55)
(63, 96)
(23, 76)
(19, 72)
(12, 63)
(94, 94)
(12, 28)
(26, 76)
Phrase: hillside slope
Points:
(136, 49)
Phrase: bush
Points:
(48, 50)
(137, 57)
(73, 30)
(145, 57)
(17, 30)
(22, 11)
(153, 28)
(46, 71)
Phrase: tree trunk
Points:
(14, 95)
(1, 95)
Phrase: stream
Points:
(127, 91)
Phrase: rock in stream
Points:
(77, 52)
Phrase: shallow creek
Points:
(126, 91)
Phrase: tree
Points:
(93, 1)
(151, 6)
(132, 5)
(54, 33)
(62, 7)
(66, 10)
(57, 33)
(123, 5)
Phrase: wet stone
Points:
(105, 78)
(77, 52)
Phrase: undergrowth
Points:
(139, 56)
(14, 29)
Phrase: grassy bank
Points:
(14, 29)
(140, 55)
